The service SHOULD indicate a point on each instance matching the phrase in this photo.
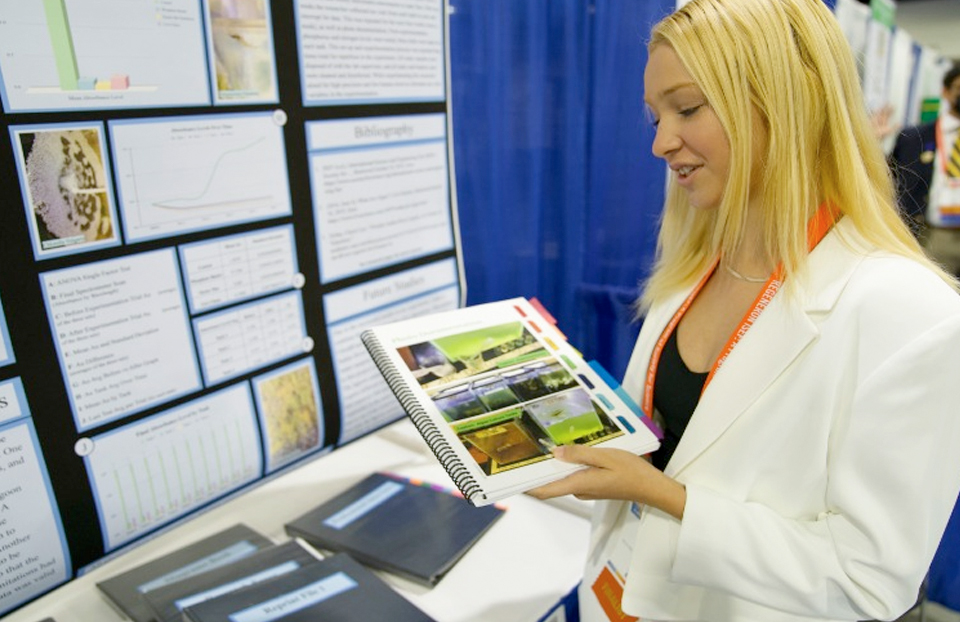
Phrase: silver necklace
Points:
(748, 279)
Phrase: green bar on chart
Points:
(62, 40)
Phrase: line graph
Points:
(217, 175)
(198, 173)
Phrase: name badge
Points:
(947, 201)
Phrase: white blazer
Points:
(823, 460)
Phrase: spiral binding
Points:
(448, 458)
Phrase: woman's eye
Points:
(651, 118)
(689, 112)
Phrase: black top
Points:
(911, 170)
(676, 391)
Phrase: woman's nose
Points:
(665, 141)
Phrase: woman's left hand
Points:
(615, 474)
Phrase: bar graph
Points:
(101, 54)
(152, 472)
(65, 56)
(58, 22)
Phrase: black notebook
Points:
(337, 588)
(388, 523)
(125, 590)
(168, 602)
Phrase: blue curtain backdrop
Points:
(558, 192)
(944, 584)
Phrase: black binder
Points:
(392, 524)
(125, 590)
(337, 588)
(169, 601)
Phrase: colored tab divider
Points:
(435, 487)
(546, 316)
(542, 310)
(423, 484)
(625, 397)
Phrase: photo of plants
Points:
(509, 400)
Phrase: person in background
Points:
(926, 164)
(798, 347)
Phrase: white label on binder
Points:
(363, 505)
(307, 596)
(233, 586)
(223, 557)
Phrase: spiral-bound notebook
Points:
(493, 388)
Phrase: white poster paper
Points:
(366, 402)
(13, 402)
(233, 269)
(359, 52)
(148, 473)
(122, 335)
(380, 191)
(252, 336)
(33, 552)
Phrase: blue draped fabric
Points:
(558, 192)
(944, 581)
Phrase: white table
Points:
(518, 570)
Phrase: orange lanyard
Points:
(817, 228)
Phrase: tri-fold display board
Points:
(205, 202)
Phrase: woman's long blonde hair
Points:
(787, 62)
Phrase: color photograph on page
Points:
(508, 400)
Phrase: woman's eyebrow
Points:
(670, 90)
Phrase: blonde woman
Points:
(798, 347)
